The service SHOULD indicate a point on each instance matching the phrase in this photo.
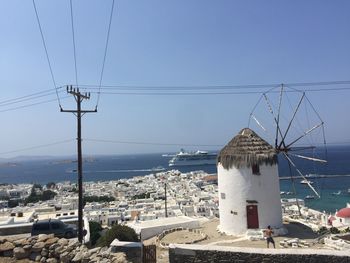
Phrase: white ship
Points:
(306, 182)
(193, 158)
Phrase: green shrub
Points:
(46, 195)
(334, 230)
(322, 230)
(99, 199)
(121, 232)
(95, 229)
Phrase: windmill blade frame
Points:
(291, 126)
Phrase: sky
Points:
(162, 43)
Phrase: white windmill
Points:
(248, 179)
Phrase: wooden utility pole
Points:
(166, 205)
(79, 113)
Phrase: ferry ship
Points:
(193, 158)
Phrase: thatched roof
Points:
(246, 149)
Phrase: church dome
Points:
(344, 213)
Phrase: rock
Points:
(3, 240)
(44, 253)
(54, 246)
(119, 257)
(20, 253)
(51, 260)
(65, 257)
(73, 243)
(33, 256)
(43, 259)
(38, 258)
(37, 247)
(6, 246)
(86, 256)
(27, 247)
(69, 249)
(83, 248)
(103, 249)
(30, 239)
(94, 250)
(78, 257)
(44, 237)
(63, 242)
(58, 251)
(106, 253)
(21, 242)
(50, 241)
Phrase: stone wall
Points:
(219, 254)
(50, 249)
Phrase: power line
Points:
(30, 105)
(49, 92)
(105, 53)
(29, 96)
(37, 147)
(213, 93)
(203, 87)
(75, 57)
(46, 52)
(27, 99)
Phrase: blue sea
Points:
(113, 167)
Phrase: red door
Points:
(252, 216)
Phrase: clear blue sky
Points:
(167, 43)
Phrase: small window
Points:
(223, 196)
(256, 169)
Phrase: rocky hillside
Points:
(50, 249)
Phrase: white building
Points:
(248, 183)
(341, 218)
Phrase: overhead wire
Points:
(26, 99)
(46, 52)
(58, 90)
(32, 104)
(194, 87)
(29, 96)
(204, 93)
(37, 147)
(105, 54)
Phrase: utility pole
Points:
(79, 97)
(166, 205)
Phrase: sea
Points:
(334, 191)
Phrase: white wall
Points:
(241, 185)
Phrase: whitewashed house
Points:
(248, 184)
(341, 218)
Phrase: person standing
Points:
(268, 233)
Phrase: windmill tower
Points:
(249, 192)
